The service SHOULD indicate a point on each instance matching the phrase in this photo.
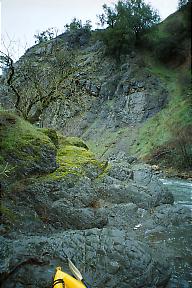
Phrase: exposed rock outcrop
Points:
(118, 96)
(108, 257)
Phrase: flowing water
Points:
(181, 189)
(180, 238)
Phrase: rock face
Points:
(116, 95)
(110, 98)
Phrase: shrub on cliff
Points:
(77, 34)
(77, 25)
(45, 36)
(125, 23)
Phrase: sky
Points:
(21, 19)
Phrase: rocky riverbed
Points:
(112, 220)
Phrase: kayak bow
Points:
(64, 280)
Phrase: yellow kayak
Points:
(64, 280)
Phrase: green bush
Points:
(76, 25)
(125, 22)
(166, 49)
(116, 42)
(46, 35)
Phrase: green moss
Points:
(16, 132)
(19, 133)
(7, 213)
(23, 142)
(73, 141)
(20, 141)
(75, 160)
(52, 134)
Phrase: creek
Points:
(181, 189)
(179, 238)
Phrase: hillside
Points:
(104, 101)
(140, 105)
(170, 130)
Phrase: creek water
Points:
(179, 239)
(181, 189)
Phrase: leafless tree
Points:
(37, 81)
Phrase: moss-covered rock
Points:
(73, 141)
(25, 150)
(52, 134)
(74, 157)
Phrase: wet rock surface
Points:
(106, 225)
(111, 257)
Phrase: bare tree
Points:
(37, 81)
(7, 63)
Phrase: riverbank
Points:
(172, 172)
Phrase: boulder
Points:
(26, 150)
(143, 175)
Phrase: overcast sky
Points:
(21, 19)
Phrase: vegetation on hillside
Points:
(43, 77)
(74, 26)
(78, 25)
(44, 36)
(126, 21)
(170, 41)
(166, 138)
